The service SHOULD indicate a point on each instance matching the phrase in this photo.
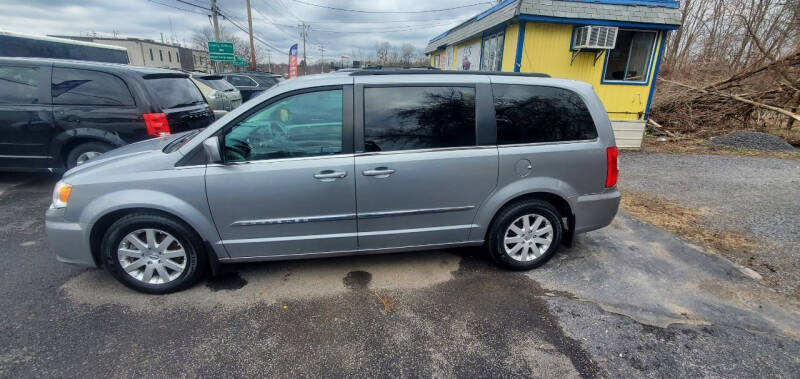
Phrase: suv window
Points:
(217, 83)
(302, 125)
(19, 85)
(241, 81)
(85, 87)
(408, 118)
(174, 92)
(529, 114)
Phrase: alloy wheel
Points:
(152, 256)
(528, 237)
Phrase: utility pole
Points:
(216, 28)
(269, 60)
(322, 51)
(304, 33)
(252, 46)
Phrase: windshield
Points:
(217, 84)
(174, 92)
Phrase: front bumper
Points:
(596, 211)
(69, 240)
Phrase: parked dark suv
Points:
(56, 114)
(250, 84)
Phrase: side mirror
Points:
(212, 149)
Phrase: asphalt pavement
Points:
(629, 300)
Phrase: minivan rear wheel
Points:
(525, 235)
(152, 253)
(85, 151)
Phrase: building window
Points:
(161, 54)
(178, 57)
(492, 54)
(436, 61)
(631, 59)
(151, 54)
(169, 54)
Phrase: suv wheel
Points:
(525, 235)
(83, 152)
(153, 254)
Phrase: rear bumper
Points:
(595, 211)
(68, 239)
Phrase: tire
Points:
(525, 257)
(79, 152)
(117, 248)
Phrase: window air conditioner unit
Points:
(595, 38)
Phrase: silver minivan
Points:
(370, 161)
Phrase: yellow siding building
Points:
(615, 45)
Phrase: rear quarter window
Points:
(174, 92)
(86, 87)
(531, 114)
(19, 85)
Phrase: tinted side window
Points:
(85, 87)
(302, 125)
(19, 85)
(407, 118)
(528, 114)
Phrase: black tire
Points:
(86, 147)
(510, 214)
(195, 261)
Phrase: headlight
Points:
(61, 194)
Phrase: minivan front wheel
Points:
(525, 235)
(152, 253)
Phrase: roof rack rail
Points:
(377, 70)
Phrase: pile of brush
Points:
(762, 97)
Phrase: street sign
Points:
(220, 51)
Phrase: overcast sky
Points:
(274, 21)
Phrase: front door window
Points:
(302, 125)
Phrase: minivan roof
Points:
(90, 64)
(433, 71)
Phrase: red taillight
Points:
(157, 124)
(612, 166)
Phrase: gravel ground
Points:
(753, 141)
(626, 301)
(756, 197)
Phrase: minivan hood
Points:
(127, 152)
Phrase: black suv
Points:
(55, 114)
(250, 84)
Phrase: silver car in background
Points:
(370, 161)
(222, 96)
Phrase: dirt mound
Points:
(753, 141)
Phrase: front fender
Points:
(199, 219)
(525, 186)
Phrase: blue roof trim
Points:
(588, 21)
(476, 18)
(652, 3)
(440, 36)
(493, 9)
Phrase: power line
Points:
(265, 43)
(193, 4)
(178, 8)
(417, 11)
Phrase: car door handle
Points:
(329, 175)
(379, 172)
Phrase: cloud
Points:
(274, 21)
